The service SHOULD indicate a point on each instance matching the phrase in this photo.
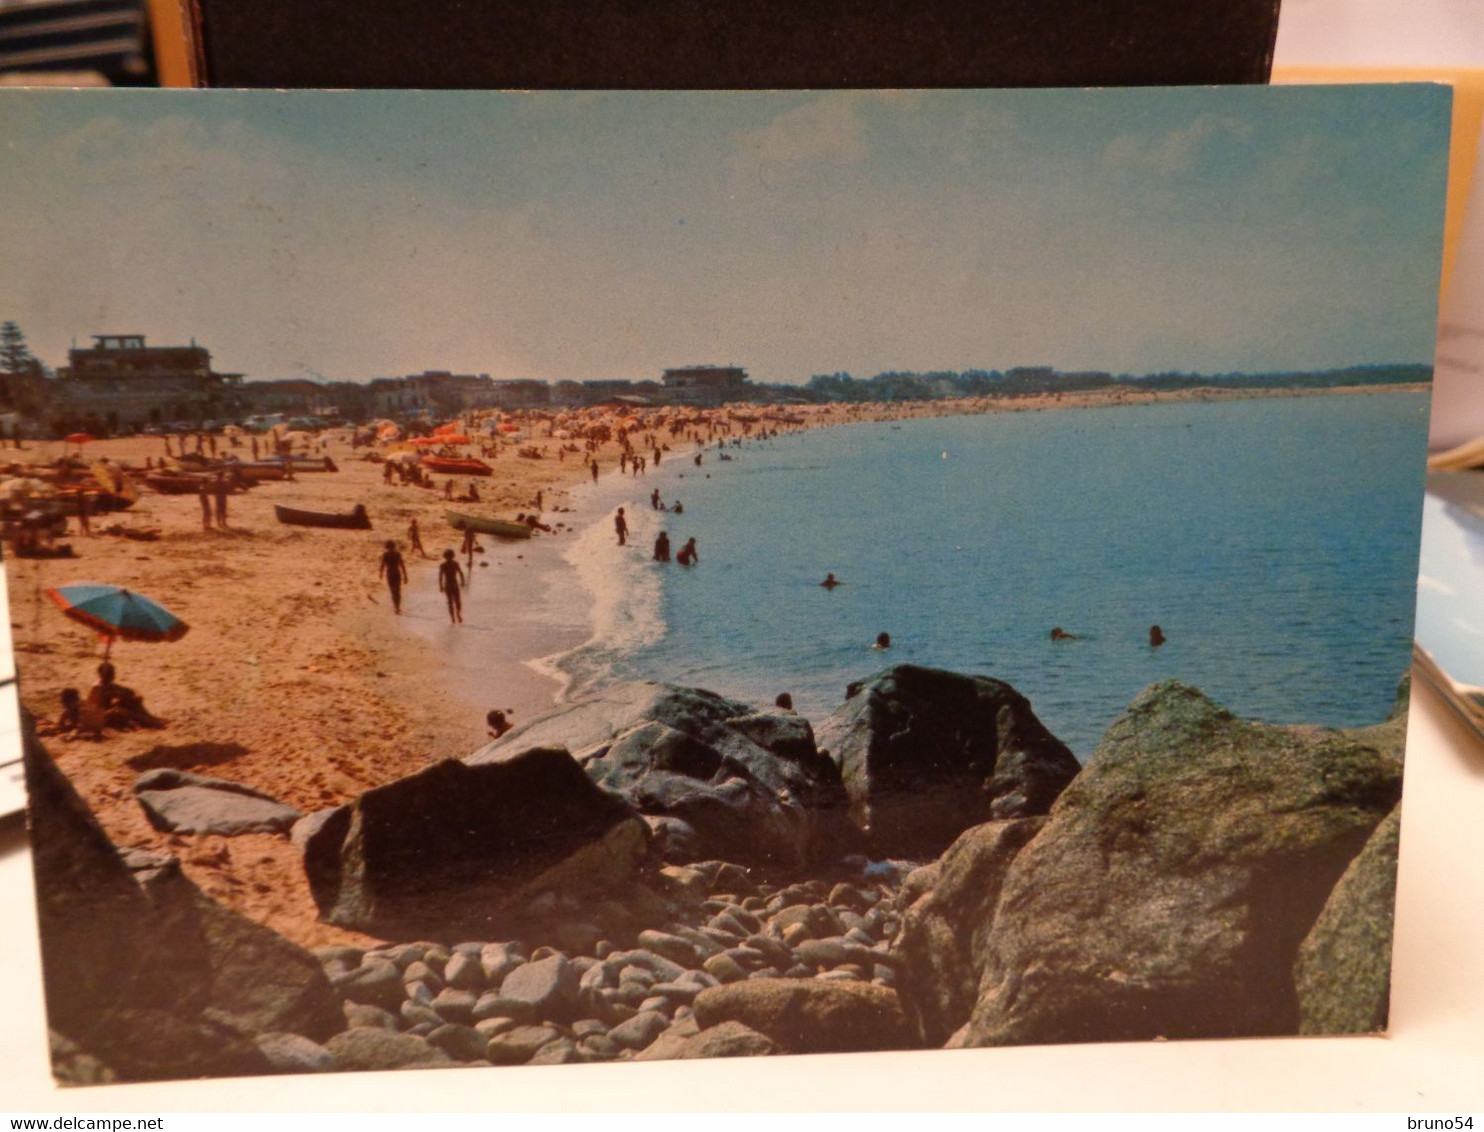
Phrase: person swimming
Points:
(1156, 638)
(1060, 634)
(883, 641)
(830, 582)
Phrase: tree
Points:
(15, 358)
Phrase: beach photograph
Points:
(527, 579)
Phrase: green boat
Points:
(503, 528)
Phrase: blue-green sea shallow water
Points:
(1274, 541)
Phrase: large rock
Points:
(810, 1015)
(446, 852)
(1169, 891)
(944, 927)
(926, 754)
(141, 969)
(242, 972)
(371, 1049)
(718, 778)
(1343, 973)
(179, 802)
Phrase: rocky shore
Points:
(664, 873)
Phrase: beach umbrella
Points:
(117, 613)
(79, 438)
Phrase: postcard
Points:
(563, 578)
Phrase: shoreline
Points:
(296, 679)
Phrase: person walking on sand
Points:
(595, 471)
(467, 548)
(654, 499)
(450, 579)
(394, 570)
(688, 555)
(415, 539)
(621, 525)
(219, 489)
(205, 496)
(662, 548)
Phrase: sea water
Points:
(1274, 541)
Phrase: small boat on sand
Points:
(504, 528)
(451, 466)
(258, 471)
(175, 484)
(357, 520)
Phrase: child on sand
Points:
(450, 579)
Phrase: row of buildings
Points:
(122, 384)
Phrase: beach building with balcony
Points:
(122, 384)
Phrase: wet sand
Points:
(296, 678)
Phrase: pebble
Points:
(464, 972)
(499, 959)
(293, 1053)
(462, 1043)
(598, 1047)
(378, 1049)
(414, 1013)
(563, 1051)
(420, 972)
(517, 1046)
(569, 999)
(724, 968)
(361, 1016)
(376, 983)
(455, 1005)
(548, 984)
(495, 1005)
(671, 947)
(348, 957)
(640, 1030)
(489, 1027)
(775, 953)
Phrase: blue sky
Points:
(587, 235)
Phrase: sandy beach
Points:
(296, 678)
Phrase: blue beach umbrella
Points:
(117, 613)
